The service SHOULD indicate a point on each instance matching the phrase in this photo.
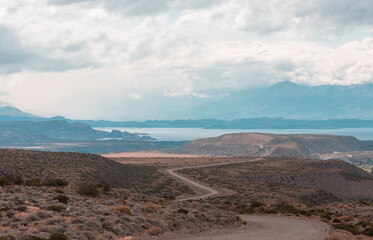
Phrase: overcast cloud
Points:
(116, 57)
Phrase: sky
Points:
(141, 59)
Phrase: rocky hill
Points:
(266, 145)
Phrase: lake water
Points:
(180, 134)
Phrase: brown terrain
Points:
(86, 196)
(333, 191)
(46, 195)
(81, 167)
(271, 145)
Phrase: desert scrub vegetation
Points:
(29, 212)
(57, 168)
(10, 179)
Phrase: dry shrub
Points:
(55, 208)
(88, 189)
(123, 209)
(62, 198)
(153, 230)
(151, 208)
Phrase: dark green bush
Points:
(5, 181)
(34, 182)
(368, 231)
(58, 236)
(62, 198)
(336, 220)
(327, 216)
(34, 238)
(183, 211)
(4, 238)
(89, 189)
(56, 182)
(256, 204)
(347, 227)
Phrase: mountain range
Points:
(284, 105)
(291, 100)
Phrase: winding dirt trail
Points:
(265, 227)
(202, 188)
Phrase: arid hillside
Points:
(52, 195)
(271, 145)
(295, 180)
(79, 167)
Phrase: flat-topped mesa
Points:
(272, 145)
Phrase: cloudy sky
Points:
(127, 59)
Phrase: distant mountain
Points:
(249, 123)
(290, 100)
(56, 131)
(272, 145)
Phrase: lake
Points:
(180, 134)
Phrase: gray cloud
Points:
(142, 7)
(340, 12)
(11, 49)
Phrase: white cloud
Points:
(107, 56)
(134, 96)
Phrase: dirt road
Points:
(266, 227)
(262, 228)
(204, 190)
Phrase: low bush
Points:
(62, 199)
(256, 204)
(5, 181)
(58, 236)
(154, 230)
(35, 182)
(89, 189)
(34, 238)
(183, 211)
(347, 227)
(365, 224)
(21, 208)
(348, 219)
(123, 209)
(151, 208)
(368, 231)
(327, 216)
(56, 182)
(55, 208)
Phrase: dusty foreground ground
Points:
(265, 227)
